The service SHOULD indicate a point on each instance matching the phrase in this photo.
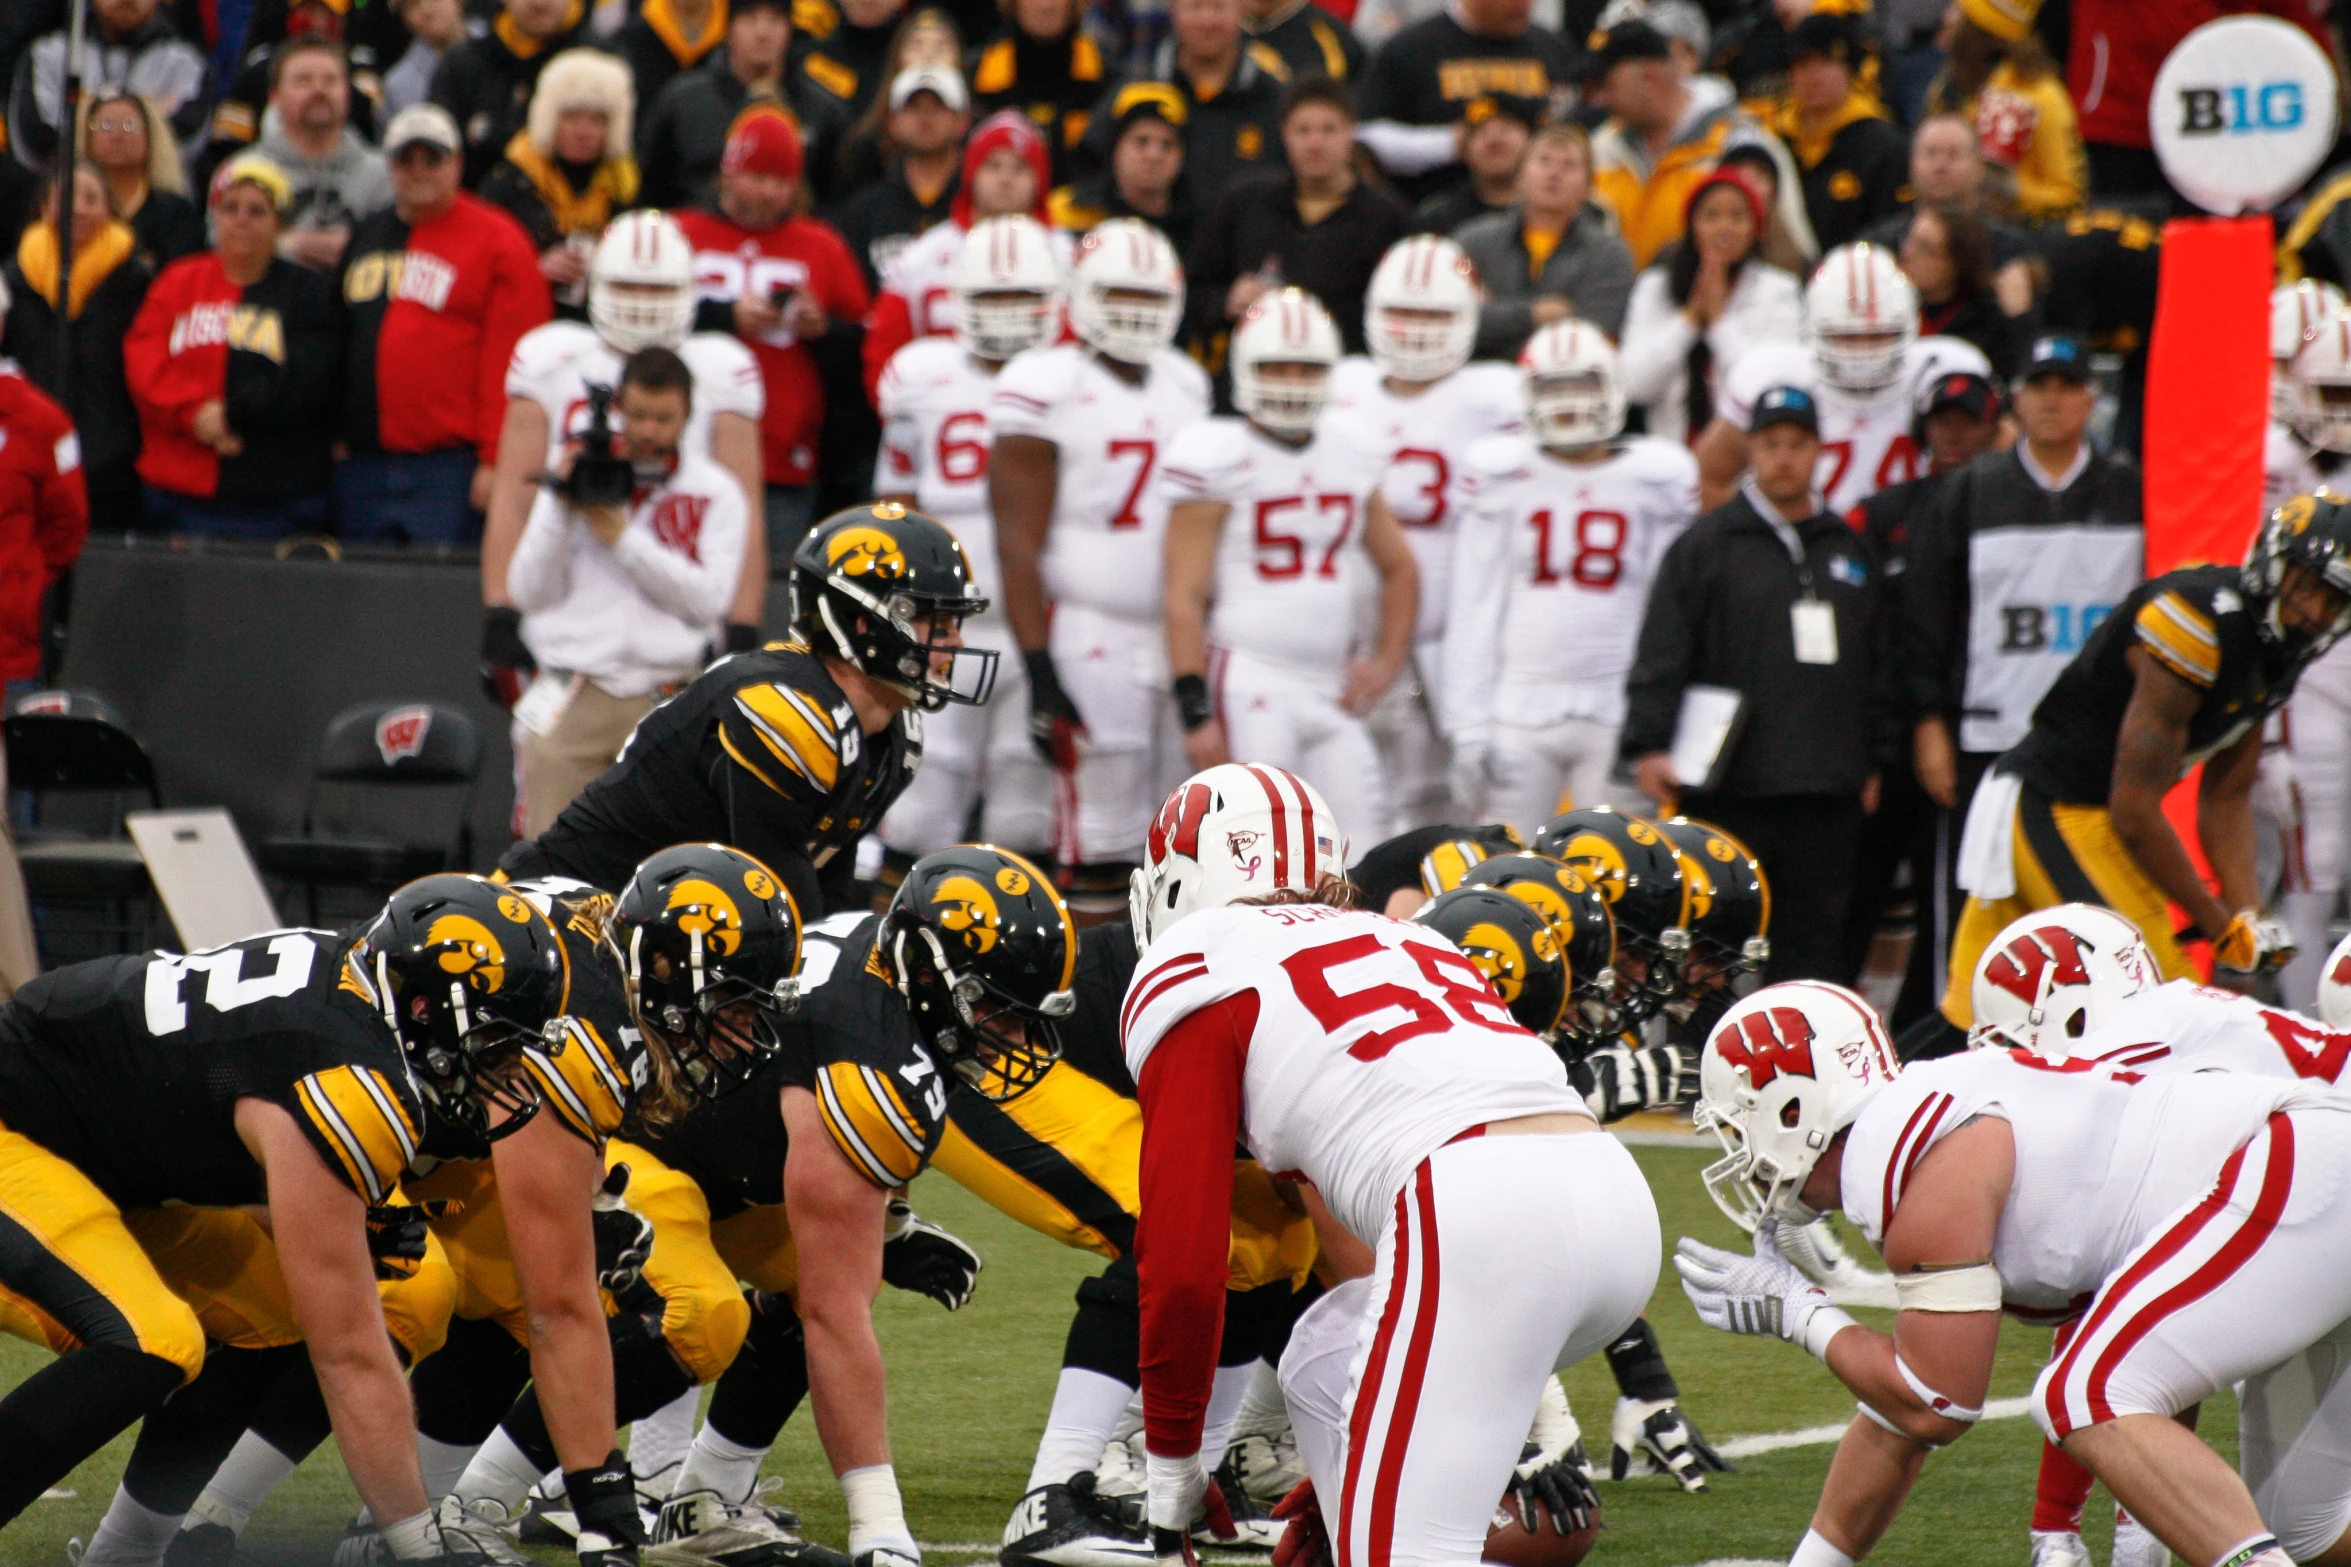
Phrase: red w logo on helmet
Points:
(1177, 831)
(2052, 953)
(1767, 1043)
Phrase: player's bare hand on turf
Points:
(923, 1259)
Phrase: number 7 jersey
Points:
(1376, 1042)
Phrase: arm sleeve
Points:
(2182, 636)
(1405, 150)
(1473, 617)
(694, 587)
(519, 301)
(539, 575)
(890, 328)
(1191, 1095)
(62, 505)
(1662, 658)
(1657, 339)
(1929, 645)
(2055, 173)
(840, 282)
(1505, 322)
(164, 392)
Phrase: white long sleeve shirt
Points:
(1765, 306)
(642, 612)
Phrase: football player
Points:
(1563, 532)
(1508, 1237)
(1080, 524)
(2155, 1209)
(792, 753)
(1864, 363)
(640, 295)
(1268, 531)
(273, 1072)
(934, 459)
(1417, 405)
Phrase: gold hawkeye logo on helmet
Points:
(1598, 861)
(971, 912)
(1497, 952)
(865, 552)
(467, 948)
(706, 911)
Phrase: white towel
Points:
(1987, 853)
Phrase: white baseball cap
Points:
(947, 83)
(422, 122)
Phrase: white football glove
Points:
(1175, 1493)
(1762, 1295)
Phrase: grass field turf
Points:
(968, 1395)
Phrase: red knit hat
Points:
(1007, 130)
(1736, 181)
(763, 141)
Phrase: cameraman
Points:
(623, 575)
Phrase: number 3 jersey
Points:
(854, 1047)
(1374, 1042)
(130, 1068)
(1551, 576)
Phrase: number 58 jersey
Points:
(1371, 1042)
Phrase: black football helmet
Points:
(1516, 947)
(1637, 870)
(983, 950)
(1444, 866)
(466, 973)
(1730, 904)
(1579, 915)
(2312, 532)
(702, 928)
(863, 577)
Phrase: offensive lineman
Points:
(1564, 531)
(1081, 429)
(1263, 552)
(934, 402)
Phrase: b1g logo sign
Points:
(2049, 628)
(2243, 112)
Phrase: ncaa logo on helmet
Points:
(971, 911)
(1242, 846)
(1767, 1043)
(401, 732)
(706, 911)
(469, 951)
(865, 552)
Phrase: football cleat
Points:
(361, 1546)
(1254, 1525)
(1071, 1525)
(1821, 1257)
(1268, 1466)
(478, 1528)
(202, 1545)
(2059, 1548)
(704, 1529)
(547, 1520)
(1648, 1437)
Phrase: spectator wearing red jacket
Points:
(436, 292)
(44, 512)
(789, 288)
(234, 362)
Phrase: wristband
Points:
(1193, 708)
(1825, 1323)
(876, 1515)
(1039, 664)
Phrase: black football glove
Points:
(1621, 1079)
(396, 1234)
(604, 1500)
(507, 666)
(1054, 720)
(919, 1257)
(1560, 1484)
(624, 1239)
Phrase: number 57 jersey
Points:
(1370, 1042)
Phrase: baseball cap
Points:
(1529, 112)
(422, 122)
(252, 168)
(938, 79)
(1964, 390)
(1148, 101)
(1682, 19)
(1631, 40)
(1785, 405)
(2057, 354)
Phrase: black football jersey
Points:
(762, 752)
(2194, 622)
(852, 1044)
(129, 1068)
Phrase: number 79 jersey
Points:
(1376, 1042)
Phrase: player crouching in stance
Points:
(1371, 1058)
(2187, 1220)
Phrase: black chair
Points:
(367, 822)
(85, 771)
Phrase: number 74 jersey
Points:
(1376, 1042)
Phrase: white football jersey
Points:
(2184, 1026)
(2104, 1154)
(1377, 1042)
(933, 402)
(1291, 549)
(1109, 512)
(923, 274)
(1866, 444)
(1418, 445)
(554, 365)
(1552, 575)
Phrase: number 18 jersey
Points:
(1377, 1041)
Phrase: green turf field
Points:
(969, 1394)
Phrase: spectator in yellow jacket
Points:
(2000, 79)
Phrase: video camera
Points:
(601, 474)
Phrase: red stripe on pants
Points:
(1408, 1385)
(1367, 1393)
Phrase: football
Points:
(1509, 1541)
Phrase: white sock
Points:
(444, 1463)
(2307, 914)
(243, 1482)
(131, 1534)
(1263, 1410)
(1086, 1408)
(501, 1472)
(659, 1441)
(1224, 1405)
(715, 1464)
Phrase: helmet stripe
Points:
(1281, 824)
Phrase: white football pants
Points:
(971, 751)
(1132, 754)
(1537, 772)
(1413, 755)
(2318, 729)
(1287, 716)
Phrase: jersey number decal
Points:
(1599, 549)
(225, 987)
(1431, 493)
(2310, 1051)
(1454, 979)
(963, 460)
(1127, 516)
(1291, 548)
(1899, 464)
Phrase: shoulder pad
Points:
(1203, 458)
(787, 738)
(363, 1123)
(1187, 374)
(2180, 627)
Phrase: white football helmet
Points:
(2318, 385)
(1008, 288)
(1860, 317)
(2051, 977)
(1287, 327)
(2334, 987)
(1574, 395)
(1783, 1073)
(2296, 310)
(1126, 290)
(641, 283)
(1420, 314)
(1237, 830)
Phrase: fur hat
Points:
(583, 79)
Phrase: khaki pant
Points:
(20, 962)
(586, 739)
